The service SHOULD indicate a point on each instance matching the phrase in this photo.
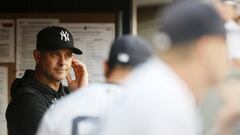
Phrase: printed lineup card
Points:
(7, 40)
(94, 39)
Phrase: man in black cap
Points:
(39, 89)
(164, 93)
(126, 53)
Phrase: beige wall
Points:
(146, 22)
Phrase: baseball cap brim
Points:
(76, 51)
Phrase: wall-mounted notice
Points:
(3, 99)
(7, 40)
(27, 30)
(94, 39)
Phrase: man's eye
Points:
(69, 55)
(55, 53)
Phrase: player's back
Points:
(79, 113)
(157, 102)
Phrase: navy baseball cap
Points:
(129, 51)
(53, 38)
(188, 21)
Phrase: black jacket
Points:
(29, 101)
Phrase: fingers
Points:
(79, 68)
(81, 75)
(69, 78)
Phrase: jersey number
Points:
(80, 119)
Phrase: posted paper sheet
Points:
(94, 39)
(3, 99)
(7, 40)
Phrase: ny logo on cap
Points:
(64, 35)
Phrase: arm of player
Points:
(81, 74)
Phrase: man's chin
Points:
(60, 77)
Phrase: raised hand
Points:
(81, 75)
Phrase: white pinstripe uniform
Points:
(79, 113)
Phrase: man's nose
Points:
(62, 60)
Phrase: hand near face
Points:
(81, 75)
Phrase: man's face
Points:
(55, 65)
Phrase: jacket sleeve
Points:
(24, 114)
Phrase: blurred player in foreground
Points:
(164, 93)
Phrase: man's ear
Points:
(37, 56)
